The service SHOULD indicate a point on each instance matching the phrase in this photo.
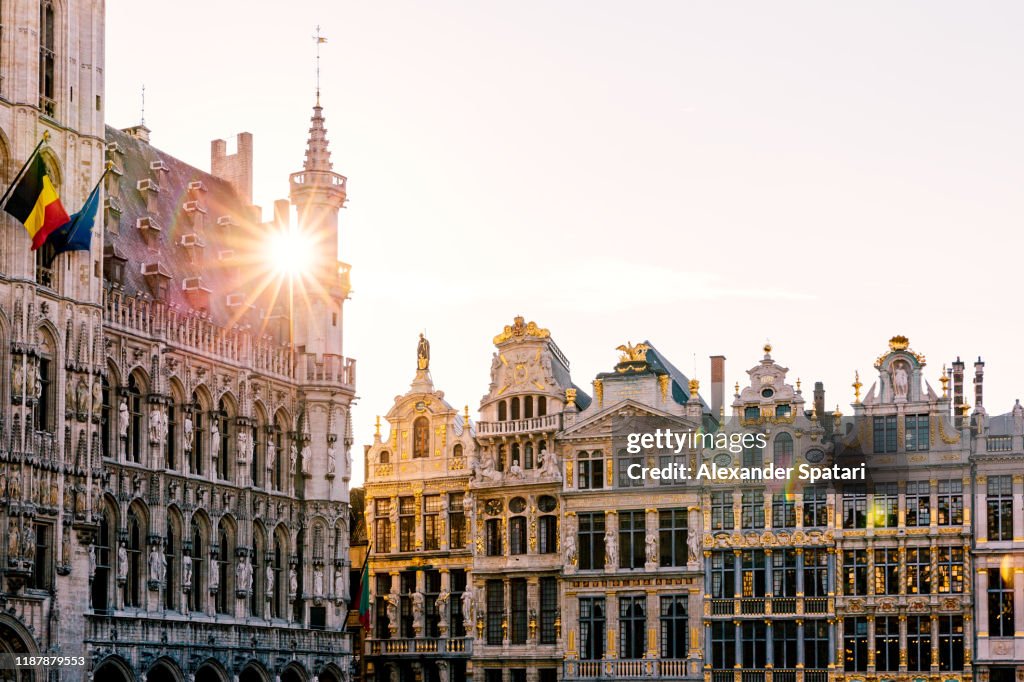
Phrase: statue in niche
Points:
(97, 396)
(441, 604)
(215, 442)
(611, 550)
(570, 549)
(271, 454)
(122, 418)
(392, 609)
(154, 563)
(318, 581)
(214, 575)
(37, 387)
(651, 548)
(467, 608)
(81, 397)
(269, 578)
(549, 465)
(122, 562)
(339, 583)
(189, 432)
(900, 380)
(156, 428)
(186, 570)
(16, 376)
(293, 581)
(693, 543)
(241, 448)
(295, 458)
(92, 561)
(423, 354)
(331, 461)
(13, 543)
(307, 458)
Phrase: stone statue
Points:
(92, 561)
(28, 543)
(122, 562)
(467, 504)
(244, 574)
(307, 458)
(340, 587)
(242, 448)
(418, 603)
(515, 472)
(330, 459)
(693, 544)
(189, 432)
(495, 367)
(651, 547)
(271, 455)
(570, 549)
(392, 609)
(13, 543)
(318, 581)
(486, 471)
(269, 578)
(214, 442)
(154, 563)
(423, 353)
(97, 396)
(442, 671)
(1018, 417)
(186, 570)
(81, 397)
(549, 465)
(122, 418)
(900, 380)
(65, 546)
(441, 604)
(295, 458)
(611, 549)
(293, 581)
(17, 382)
(467, 608)
(37, 384)
(156, 425)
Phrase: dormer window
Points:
(159, 165)
(113, 265)
(158, 278)
(783, 410)
(195, 187)
(752, 412)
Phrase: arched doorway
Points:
(293, 674)
(328, 674)
(163, 671)
(114, 670)
(209, 673)
(252, 673)
(15, 643)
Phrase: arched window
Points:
(280, 561)
(528, 407)
(223, 417)
(421, 437)
(384, 457)
(135, 436)
(101, 578)
(197, 601)
(517, 459)
(259, 555)
(515, 409)
(528, 455)
(42, 386)
(457, 450)
(47, 58)
(171, 446)
(783, 450)
(136, 537)
(299, 603)
(172, 548)
(105, 422)
(197, 413)
(542, 406)
(225, 552)
(259, 445)
(502, 411)
(517, 535)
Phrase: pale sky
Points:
(702, 175)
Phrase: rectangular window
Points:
(632, 626)
(784, 573)
(518, 587)
(632, 535)
(885, 505)
(753, 574)
(382, 525)
(492, 537)
(816, 572)
(887, 643)
(722, 517)
(753, 637)
(517, 535)
(919, 643)
(667, 461)
(855, 644)
(625, 461)
(919, 570)
(495, 610)
(431, 516)
(591, 468)
(431, 588)
(752, 509)
(783, 511)
(547, 530)
(406, 524)
(784, 641)
(381, 622)
(1000, 603)
(815, 644)
(919, 503)
(591, 540)
(815, 508)
(887, 571)
(674, 626)
(41, 565)
(951, 503)
(407, 587)
(456, 521)
(855, 566)
(999, 503)
(753, 457)
(723, 645)
(548, 609)
(592, 628)
(885, 434)
(855, 504)
(951, 570)
(916, 432)
(458, 580)
(723, 577)
(672, 537)
(951, 643)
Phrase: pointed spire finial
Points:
(320, 40)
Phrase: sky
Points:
(701, 175)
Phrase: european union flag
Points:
(76, 233)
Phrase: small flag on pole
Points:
(36, 204)
(364, 593)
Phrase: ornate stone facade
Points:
(174, 441)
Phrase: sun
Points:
(290, 253)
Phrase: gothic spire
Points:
(318, 156)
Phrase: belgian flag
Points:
(36, 204)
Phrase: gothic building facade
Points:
(174, 436)
(575, 569)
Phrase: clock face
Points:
(815, 455)
(421, 406)
(493, 506)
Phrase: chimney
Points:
(717, 384)
(979, 376)
(958, 392)
(282, 209)
(139, 132)
(235, 168)
(819, 399)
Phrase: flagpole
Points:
(74, 230)
(7, 194)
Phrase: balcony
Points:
(550, 422)
(767, 606)
(773, 675)
(632, 669)
(447, 646)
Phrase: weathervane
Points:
(320, 40)
(142, 115)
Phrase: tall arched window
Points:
(225, 551)
(133, 398)
(542, 406)
(171, 446)
(502, 411)
(198, 591)
(224, 427)
(515, 409)
(280, 561)
(47, 58)
(101, 578)
(105, 422)
(421, 437)
(528, 407)
(259, 555)
(172, 548)
(783, 450)
(136, 538)
(197, 413)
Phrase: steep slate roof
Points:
(222, 276)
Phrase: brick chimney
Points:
(958, 392)
(235, 168)
(819, 399)
(979, 377)
(717, 384)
